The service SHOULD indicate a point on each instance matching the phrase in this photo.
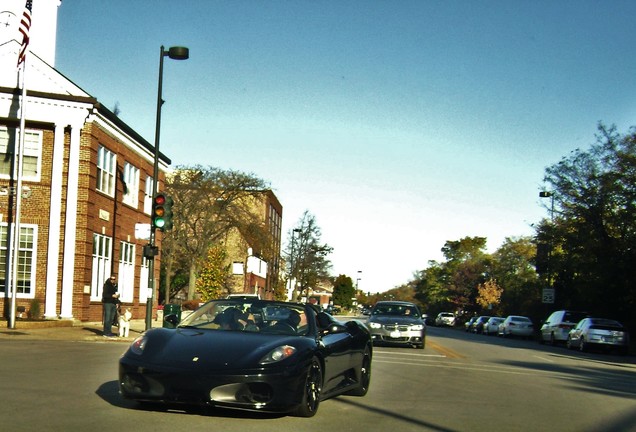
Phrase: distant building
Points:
(87, 182)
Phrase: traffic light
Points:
(162, 212)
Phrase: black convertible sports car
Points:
(249, 354)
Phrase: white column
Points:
(55, 217)
(70, 228)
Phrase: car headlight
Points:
(278, 354)
(417, 327)
(138, 345)
(375, 325)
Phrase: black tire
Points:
(365, 375)
(311, 391)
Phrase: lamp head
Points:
(178, 53)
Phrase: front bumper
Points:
(277, 390)
(394, 336)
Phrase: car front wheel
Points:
(365, 375)
(311, 391)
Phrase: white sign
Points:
(548, 295)
(142, 231)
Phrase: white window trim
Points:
(126, 271)
(101, 265)
(148, 195)
(106, 171)
(32, 148)
(34, 260)
(131, 181)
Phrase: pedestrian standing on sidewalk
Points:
(110, 298)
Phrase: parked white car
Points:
(557, 327)
(445, 319)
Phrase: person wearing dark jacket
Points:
(110, 298)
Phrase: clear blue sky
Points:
(399, 124)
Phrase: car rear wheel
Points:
(365, 375)
(311, 391)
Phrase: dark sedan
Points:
(249, 354)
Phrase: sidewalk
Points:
(69, 330)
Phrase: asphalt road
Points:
(460, 382)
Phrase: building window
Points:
(143, 281)
(31, 158)
(126, 272)
(102, 253)
(106, 168)
(26, 260)
(131, 185)
(148, 195)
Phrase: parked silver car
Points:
(492, 325)
(556, 328)
(516, 325)
(600, 333)
(397, 323)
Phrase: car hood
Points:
(392, 319)
(213, 350)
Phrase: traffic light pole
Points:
(150, 300)
(175, 53)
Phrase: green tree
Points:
(343, 292)
(593, 230)
(512, 265)
(466, 267)
(213, 279)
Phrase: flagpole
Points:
(18, 201)
(14, 251)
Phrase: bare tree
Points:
(307, 256)
(208, 204)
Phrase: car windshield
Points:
(396, 310)
(249, 316)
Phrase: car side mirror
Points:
(335, 328)
(172, 319)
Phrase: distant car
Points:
(492, 325)
(599, 333)
(252, 355)
(397, 323)
(478, 324)
(516, 325)
(557, 327)
(445, 319)
(468, 325)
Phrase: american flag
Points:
(25, 26)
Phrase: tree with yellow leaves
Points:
(489, 294)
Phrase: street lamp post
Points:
(175, 53)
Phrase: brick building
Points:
(86, 183)
(257, 271)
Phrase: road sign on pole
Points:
(548, 295)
